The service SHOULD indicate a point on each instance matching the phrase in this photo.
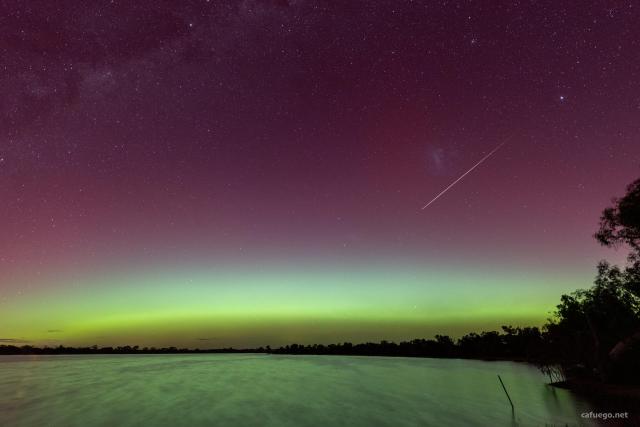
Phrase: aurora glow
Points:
(268, 305)
(244, 173)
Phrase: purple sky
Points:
(196, 132)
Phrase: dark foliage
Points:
(620, 223)
(512, 343)
(596, 331)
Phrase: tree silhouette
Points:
(598, 329)
(620, 223)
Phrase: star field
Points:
(202, 140)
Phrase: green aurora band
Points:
(276, 305)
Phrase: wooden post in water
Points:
(507, 393)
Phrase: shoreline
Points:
(598, 390)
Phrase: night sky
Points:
(213, 173)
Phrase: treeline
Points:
(513, 343)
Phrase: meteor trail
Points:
(464, 174)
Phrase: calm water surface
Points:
(268, 390)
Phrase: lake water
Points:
(270, 390)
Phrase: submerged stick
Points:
(507, 393)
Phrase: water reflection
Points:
(252, 390)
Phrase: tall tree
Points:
(620, 225)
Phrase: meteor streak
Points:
(464, 174)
